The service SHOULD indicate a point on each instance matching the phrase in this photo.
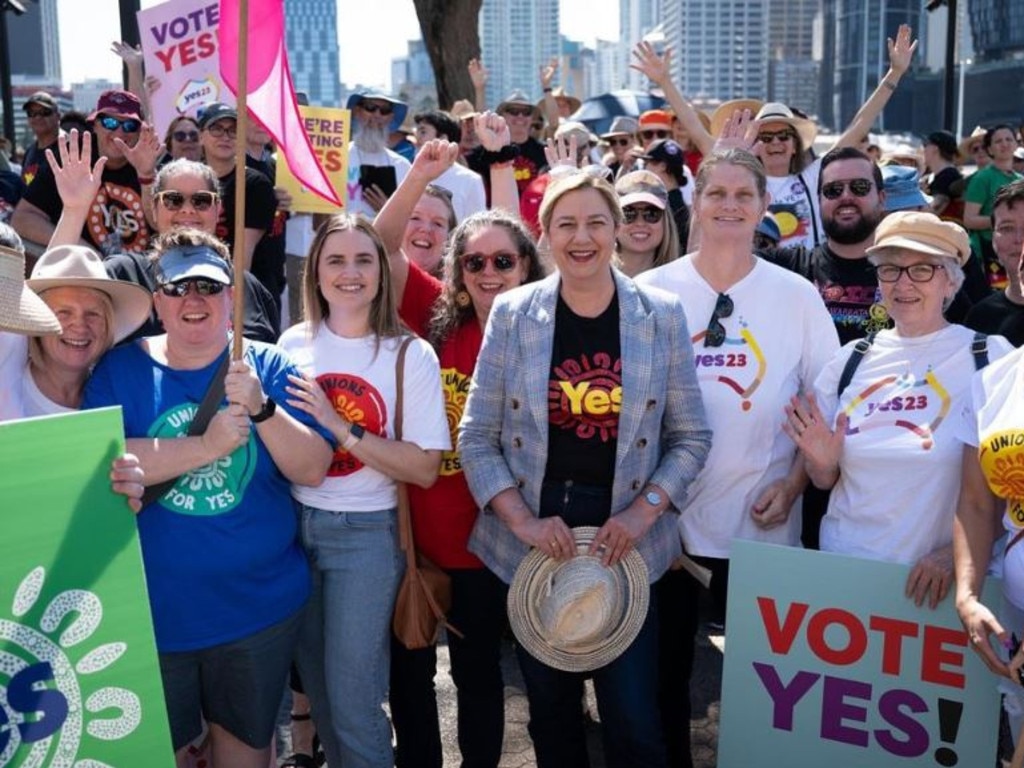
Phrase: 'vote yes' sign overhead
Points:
(827, 663)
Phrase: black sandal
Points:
(300, 759)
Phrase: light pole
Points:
(947, 80)
(6, 94)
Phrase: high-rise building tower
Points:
(311, 32)
(637, 18)
(792, 69)
(35, 44)
(516, 38)
(720, 47)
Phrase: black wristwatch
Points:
(269, 409)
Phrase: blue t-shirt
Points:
(220, 548)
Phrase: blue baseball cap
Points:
(185, 262)
(902, 190)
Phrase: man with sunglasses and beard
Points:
(126, 150)
(369, 159)
(525, 153)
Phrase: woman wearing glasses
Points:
(884, 410)
(227, 579)
(784, 138)
(760, 335)
(584, 410)
(489, 253)
(648, 236)
(182, 140)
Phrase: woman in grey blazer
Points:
(585, 410)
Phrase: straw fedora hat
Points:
(559, 93)
(577, 615)
(21, 311)
(725, 110)
(776, 112)
(76, 266)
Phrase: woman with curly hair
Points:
(489, 253)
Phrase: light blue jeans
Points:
(344, 646)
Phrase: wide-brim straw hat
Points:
(559, 93)
(726, 109)
(21, 311)
(577, 615)
(776, 112)
(75, 266)
(978, 134)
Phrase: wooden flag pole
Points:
(238, 257)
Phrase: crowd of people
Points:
(638, 347)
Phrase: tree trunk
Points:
(452, 38)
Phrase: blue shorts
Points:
(237, 685)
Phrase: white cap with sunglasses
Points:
(194, 262)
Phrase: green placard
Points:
(79, 678)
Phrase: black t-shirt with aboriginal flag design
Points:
(584, 396)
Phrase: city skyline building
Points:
(312, 43)
(516, 38)
(34, 39)
(637, 19)
(720, 48)
(794, 53)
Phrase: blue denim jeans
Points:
(344, 647)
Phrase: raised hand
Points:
(561, 152)
(821, 447)
(492, 131)
(132, 57)
(434, 158)
(143, 155)
(653, 66)
(77, 179)
(477, 73)
(739, 132)
(901, 51)
(548, 72)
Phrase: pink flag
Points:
(271, 95)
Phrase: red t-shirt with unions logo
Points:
(584, 397)
(443, 515)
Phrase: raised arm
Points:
(656, 68)
(493, 133)
(901, 52)
(550, 104)
(433, 158)
(133, 62)
(478, 74)
(77, 182)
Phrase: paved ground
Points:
(518, 750)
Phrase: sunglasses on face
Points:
(503, 261)
(651, 215)
(201, 285)
(622, 142)
(219, 130)
(859, 187)
(715, 334)
(111, 123)
(40, 112)
(918, 273)
(767, 137)
(186, 135)
(518, 111)
(202, 200)
(655, 134)
(373, 109)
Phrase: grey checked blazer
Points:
(663, 436)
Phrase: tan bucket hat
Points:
(80, 267)
(577, 615)
(21, 311)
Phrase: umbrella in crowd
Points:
(598, 112)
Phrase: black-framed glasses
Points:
(41, 112)
(503, 261)
(200, 285)
(650, 214)
(186, 135)
(373, 108)
(202, 200)
(654, 134)
(715, 334)
(918, 273)
(223, 128)
(767, 137)
(127, 124)
(859, 187)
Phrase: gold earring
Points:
(462, 299)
